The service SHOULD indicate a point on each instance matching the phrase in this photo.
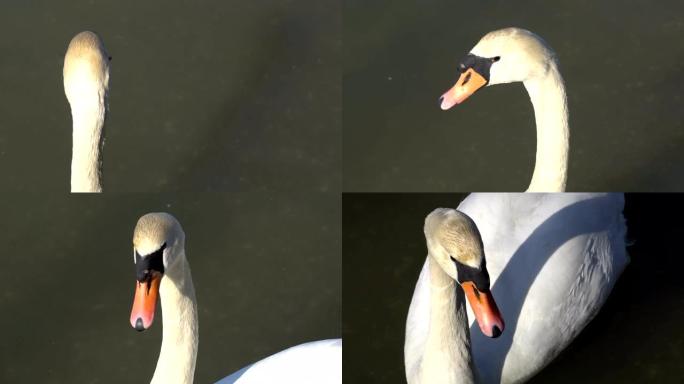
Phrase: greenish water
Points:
(266, 268)
(623, 64)
(246, 99)
(636, 337)
(205, 95)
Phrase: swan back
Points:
(317, 362)
(553, 259)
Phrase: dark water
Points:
(205, 95)
(636, 337)
(266, 268)
(623, 64)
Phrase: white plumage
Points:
(318, 362)
(552, 259)
(161, 234)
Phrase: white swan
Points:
(86, 84)
(511, 55)
(455, 253)
(163, 270)
(552, 259)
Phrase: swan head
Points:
(503, 56)
(158, 244)
(454, 242)
(86, 69)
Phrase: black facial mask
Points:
(152, 262)
(479, 64)
(479, 277)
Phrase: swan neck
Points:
(88, 123)
(447, 358)
(548, 97)
(178, 354)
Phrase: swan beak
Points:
(486, 312)
(469, 82)
(145, 301)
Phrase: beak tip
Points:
(139, 325)
(446, 103)
(496, 332)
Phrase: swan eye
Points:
(495, 59)
(461, 68)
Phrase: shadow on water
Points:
(580, 218)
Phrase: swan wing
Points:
(552, 259)
(317, 362)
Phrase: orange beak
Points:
(469, 82)
(483, 305)
(145, 302)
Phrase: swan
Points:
(86, 85)
(163, 270)
(455, 253)
(511, 55)
(552, 259)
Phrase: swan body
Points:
(310, 363)
(552, 259)
(86, 85)
(163, 270)
(517, 55)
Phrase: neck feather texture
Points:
(447, 358)
(178, 354)
(551, 115)
(88, 120)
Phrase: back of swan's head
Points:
(520, 55)
(451, 234)
(158, 230)
(86, 69)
